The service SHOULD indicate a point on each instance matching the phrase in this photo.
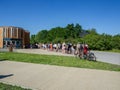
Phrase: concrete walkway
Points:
(109, 57)
(41, 51)
(46, 77)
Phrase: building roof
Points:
(13, 27)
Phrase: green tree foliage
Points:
(104, 42)
(91, 40)
(78, 29)
(70, 30)
(116, 42)
(41, 36)
(32, 39)
(92, 31)
(74, 34)
(98, 42)
(56, 33)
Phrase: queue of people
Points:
(66, 48)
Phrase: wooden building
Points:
(16, 36)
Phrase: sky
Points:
(36, 15)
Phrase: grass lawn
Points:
(10, 87)
(57, 60)
(115, 50)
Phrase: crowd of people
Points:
(66, 48)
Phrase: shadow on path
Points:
(5, 76)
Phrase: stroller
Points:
(90, 56)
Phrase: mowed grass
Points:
(10, 87)
(58, 60)
(115, 50)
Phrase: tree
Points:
(74, 33)
(91, 40)
(70, 30)
(78, 30)
(116, 41)
(104, 42)
(32, 39)
(41, 36)
(57, 33)
(92, 31)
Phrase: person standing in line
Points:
(51, 47)
(85, 51)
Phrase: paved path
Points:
(41, 51)
(46, 77)
(109, 57)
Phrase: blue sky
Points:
(36, 15)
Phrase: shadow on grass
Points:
(3, 59)
(5, 76)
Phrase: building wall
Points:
(14, 34)
(1, 37)
(26, 37)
